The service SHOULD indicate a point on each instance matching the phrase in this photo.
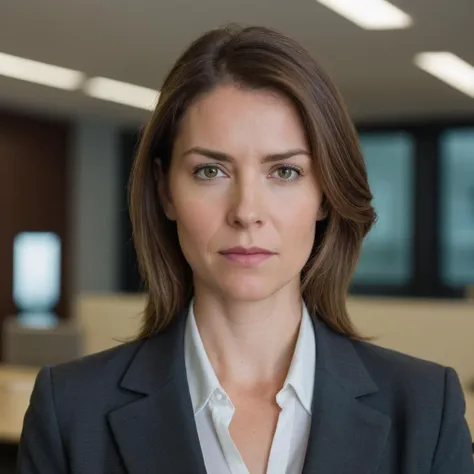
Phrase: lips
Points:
(247, 256)
(247, 251)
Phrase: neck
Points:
(249, 344)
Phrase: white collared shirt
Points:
(213, 409)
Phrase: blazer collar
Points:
(159, 359)
(337, 356)
(346, 435)
(157, 433)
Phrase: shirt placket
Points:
(281, 445)
(222, 411)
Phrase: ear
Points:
(322, 214)
(323, 209)
(163, 192)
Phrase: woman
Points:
(249, 203)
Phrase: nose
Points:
(246, 208)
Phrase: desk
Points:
(16, 385)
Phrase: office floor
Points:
(8, 453)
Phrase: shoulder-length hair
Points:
(255, 58)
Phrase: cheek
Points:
(300, 225)
(297, 224)
(300, 210)
(300, 240)
(196, 222)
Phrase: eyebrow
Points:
(226, 158)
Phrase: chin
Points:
(248, 289)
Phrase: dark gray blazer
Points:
(128, 410)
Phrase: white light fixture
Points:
(370, 14)
(121, 93)
(39, 73)
(37, 277)
(448, 68)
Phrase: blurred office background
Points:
(68, 276)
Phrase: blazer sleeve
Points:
(41, 450)
(453, 453)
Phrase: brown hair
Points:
(257, 58)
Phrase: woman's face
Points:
(243, 192)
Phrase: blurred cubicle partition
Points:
(38, 346)
(108, 319)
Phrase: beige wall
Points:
(441, 331)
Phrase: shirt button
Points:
(219, 396)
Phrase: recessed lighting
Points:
(121, 92)
(448, 68)
(39, 73)
(370, 14)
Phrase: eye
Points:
(207, 172)
(287, 173)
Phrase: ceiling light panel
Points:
(40, 73)
(121, 93)
(449, 68)
(370, 14)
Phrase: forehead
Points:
(238, 120)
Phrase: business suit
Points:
(128, 410)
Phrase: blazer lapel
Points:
(157, 432)
(346, 436)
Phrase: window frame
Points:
(426, 279)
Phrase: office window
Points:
(457, 207)
(386, 253)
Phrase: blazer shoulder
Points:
(425, 401)
(390, 368)
(102, 369)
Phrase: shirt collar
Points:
(303, 365)
(202, 379)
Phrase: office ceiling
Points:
(137, 41)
